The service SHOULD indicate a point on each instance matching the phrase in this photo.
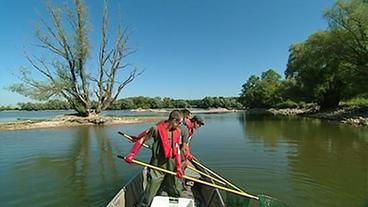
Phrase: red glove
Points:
(188, 156)
(179, 171)
(130, 156)
(187, 153)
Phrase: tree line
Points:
(327, 68)
(136, 103)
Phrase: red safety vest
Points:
(165, 144)
(189, 125)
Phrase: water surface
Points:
(304, 162)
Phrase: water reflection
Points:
(328, 162)
(69, 174)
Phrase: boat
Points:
(195, 194)
(204, 192)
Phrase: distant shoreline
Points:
(73, 120)
(352, 115)
(163, 110)
(193, 110)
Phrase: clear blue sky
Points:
(213, 45)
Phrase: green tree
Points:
(349, 21)
(4, 108)
(155, 103)
(261, 92)
(141, 102)
(126, 103)
(168, 102)
(251, 93)
(320, 74)
(270, 82)
(182, 104)
(207, 102)
(66, 73)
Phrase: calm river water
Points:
(304, 162)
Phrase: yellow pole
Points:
(196, 162)
(194, 179)
(218, 176)
(204, 174)
(132, 140)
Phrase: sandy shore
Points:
(70, 121)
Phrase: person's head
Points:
(175, 119)
(186, 114)
(197, 121)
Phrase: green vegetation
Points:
(260, 92)
(157, 102)
(359, 101)
(328, 67)
(138, 102)
(66, 74)
(49, 105)
(5, 108)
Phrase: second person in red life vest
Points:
(165, 154)
(187, 130)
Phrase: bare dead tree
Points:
(65, 70)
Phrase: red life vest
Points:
(189, 125)
(165, 144)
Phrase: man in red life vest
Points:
(187, 130)
(165, 154)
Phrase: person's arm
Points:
(178, 169)
(184, 134)
(185, 146)
(138, 144)
(136, 138)
(187, 154)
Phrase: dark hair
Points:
(185, 113)
(175, 114)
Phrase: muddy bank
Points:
(354, 115)
(70, 121)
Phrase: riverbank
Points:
(353, 115)
(71, 120)
(68, 120)
(357, 116)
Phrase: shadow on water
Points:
(327, 161)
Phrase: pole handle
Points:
(195, 161)
(215, 174)
(192, 179)
(132, 139)
(204, 174)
